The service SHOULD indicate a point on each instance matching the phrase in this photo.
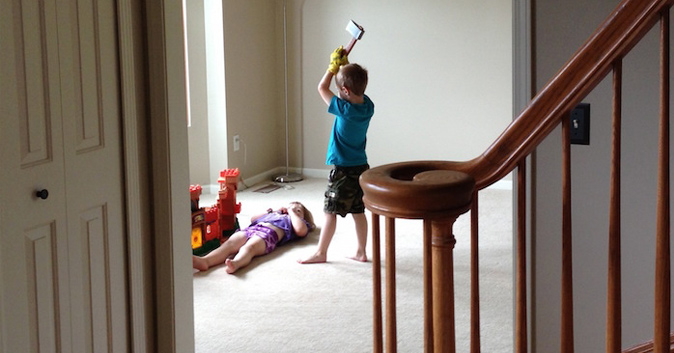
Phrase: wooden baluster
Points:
(474, 278)
(662, 255)
(378, 345)
(391, 335)
(567, 262)
(428, 288)
(613, 302)
(443, 285)
(521, 294)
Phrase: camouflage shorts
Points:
(344, 194)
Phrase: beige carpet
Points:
(278, 305)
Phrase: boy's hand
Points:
(337, 59)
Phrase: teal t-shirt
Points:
(349, 132)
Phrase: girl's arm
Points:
(299, 225)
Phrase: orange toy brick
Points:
(214, 224)
(195, 192)
(212, 214)
(229, 177)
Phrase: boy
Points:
(346, 151)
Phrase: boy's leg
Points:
(255, 246)
(328, 230)
(361, 233)
(221, 253)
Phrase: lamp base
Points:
(288, 178)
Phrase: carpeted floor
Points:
(278, 305)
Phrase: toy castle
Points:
(212, 225)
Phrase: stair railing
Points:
(438, 192)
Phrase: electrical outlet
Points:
(580, 124)
(237, 143)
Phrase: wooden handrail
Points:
(648, 346)
(440, 191)
(626, 25)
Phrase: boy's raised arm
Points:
(337, 59)
(324, 87)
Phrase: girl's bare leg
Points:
(361, 234)
(328, 230)
(219, 255)
(255, 246)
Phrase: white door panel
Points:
(35, 306)
(62, 259)
(93, 167)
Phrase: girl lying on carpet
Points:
(266, 231)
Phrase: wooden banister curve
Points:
(628, 23)
(440, 191)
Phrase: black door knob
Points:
(43, 194)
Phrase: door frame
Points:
(156, 172)
(161, 295)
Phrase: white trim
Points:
(503, 184)
(173, 296)
(269, 176)
(136, 223)
(187, 64)
(316, 173)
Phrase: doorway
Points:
(310, 64)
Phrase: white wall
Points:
(198, 130)
(440, 77)
(249, 103)
(253, 71)
(561, 28)
(215, 88)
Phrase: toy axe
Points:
(356, 32)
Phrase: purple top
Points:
(283, 222)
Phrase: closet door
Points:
(93, 174)
(61, 222)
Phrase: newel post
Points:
(435, 193)
(443, 241)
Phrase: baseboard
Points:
(273, 173)
(269, 176)
(503, 184)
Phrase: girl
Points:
(263, 235)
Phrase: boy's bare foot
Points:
(199, 263)
(359, 257)
(230, 266)
(314, 259)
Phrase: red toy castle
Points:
(211, 225)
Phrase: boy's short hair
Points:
(353, 77)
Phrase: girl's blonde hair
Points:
(307, 215)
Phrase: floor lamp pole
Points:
(287, 177)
